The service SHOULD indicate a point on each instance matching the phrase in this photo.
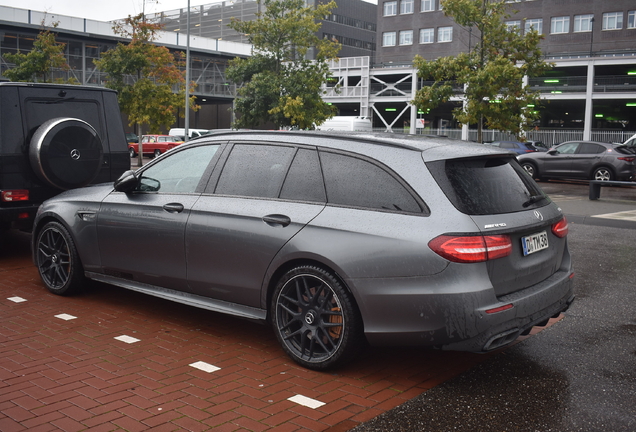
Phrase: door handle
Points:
(276, 219)
(173, 207)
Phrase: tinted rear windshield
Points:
(483, 186)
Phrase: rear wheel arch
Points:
(602, 172)
(289, 265)
(315, 317)
(531, 168)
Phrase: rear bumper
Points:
(428, 312)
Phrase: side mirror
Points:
(126, 182)
(553, 152)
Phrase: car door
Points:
(141, 233)
(262, 197)
(558, 161)
(585, 158)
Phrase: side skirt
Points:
(183, 297)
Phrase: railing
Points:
(602, 84)
(549, 137)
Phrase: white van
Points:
(192, 133)
(346, 123)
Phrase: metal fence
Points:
(549, 137)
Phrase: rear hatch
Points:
(503, 200)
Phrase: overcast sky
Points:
(103, 10)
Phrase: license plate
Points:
(534, 243)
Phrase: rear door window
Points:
(589, 148)
(357, 182)
(255, 170)
(484, 186)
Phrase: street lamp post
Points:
(187, 86)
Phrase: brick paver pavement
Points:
(112, 359)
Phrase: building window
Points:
(390, 8)
(406, 6)
(427, 35)
(560, 25)
(428, 5)
(388, 39)
(583, 23)
(631, 19)
(406, 37)
(513, 26)
(534, 24)
(445, 34)
(613, 21)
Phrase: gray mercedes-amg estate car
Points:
(336, 239)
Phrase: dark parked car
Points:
(333, 238)
(52, 138)
(518, 147)
(581, 160)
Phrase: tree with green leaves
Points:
(39, 64)
(278, 83)
(145, 74)
(493, 72)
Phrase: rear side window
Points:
(589, 148)
(255, 170)
(356, 182)
(483, 186)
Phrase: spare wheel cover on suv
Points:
(66, 152)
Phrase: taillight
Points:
(627, 158)
(15, 195)
(471, 249)
(560, 228)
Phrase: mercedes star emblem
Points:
(75, 154)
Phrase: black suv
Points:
(52, 138)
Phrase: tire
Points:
(66, 153)
(603, 173)
(57, 260)
(157, 153)
(315, 318)
(531, 169)
(132, 152)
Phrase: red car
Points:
(154, 145)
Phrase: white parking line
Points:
(305, 401)
(205, 367)
(65, 317)
(16, 299)
(629, 215)
(127, 339)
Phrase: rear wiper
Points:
(533, 199)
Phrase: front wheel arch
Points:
(56, 257)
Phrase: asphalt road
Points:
(577, 375)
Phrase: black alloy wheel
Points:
(57, 260)
(157, 153)
(132, 152)
(315, 318)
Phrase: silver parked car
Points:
(336, 239)
(586, 160)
